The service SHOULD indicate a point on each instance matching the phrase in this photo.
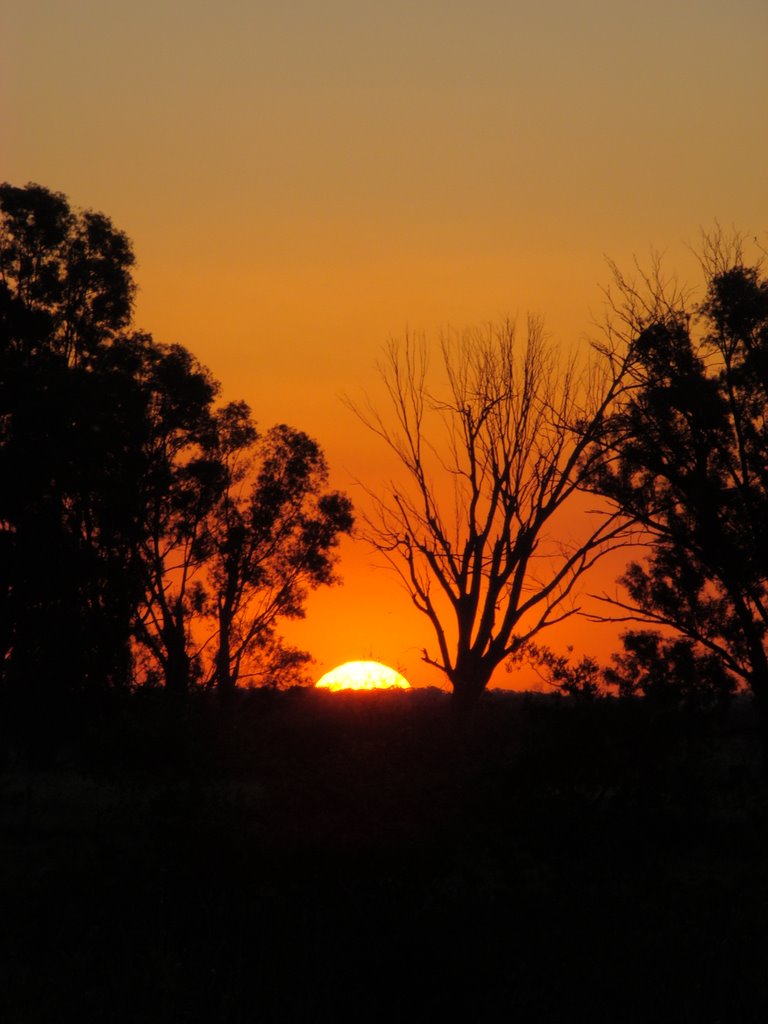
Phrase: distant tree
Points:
(671, 670)
(582, 679)
(491, 462)
(686, 457)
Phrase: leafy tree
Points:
(66, 284)
(671, 670)
(131, 505)
(273, 537)
(184, 482)
(687, 458)
(582, 679)
(69, 515)
(240, 530)
(491, 458)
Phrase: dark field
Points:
(313, 857)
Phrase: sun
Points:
(363, 675)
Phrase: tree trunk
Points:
(178, 663)
(464, 701)
(759, 686)
(224, 681)
(468, 687)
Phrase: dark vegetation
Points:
(177, 846)
(146, 529)
(302, 856)
(686, 459)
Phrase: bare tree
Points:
(493, 448)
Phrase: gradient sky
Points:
(303, 180)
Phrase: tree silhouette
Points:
(240, 530)
(132, 505)
(69, 516)
(581, 679)
(491, 459)
(273, 537)
(185, 480)
(66, 285)
(668, 670)
(687, 458)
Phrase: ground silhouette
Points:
(328, 856)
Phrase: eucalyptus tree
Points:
(71, 419)
(239, 527)
(274, 535)
(126, 513)
(184, 481)
(238, 534)
(66, 276)
(686, 457)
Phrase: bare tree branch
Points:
(493, 440)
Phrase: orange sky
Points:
(304, 180)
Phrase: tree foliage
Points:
(687, 458)
(133, 505)
(66, 285)
(69, 406)
(668, 670)
(581, 679)
(273, 538)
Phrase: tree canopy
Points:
(143, 525)
(686, 456)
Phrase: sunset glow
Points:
(302, 182)
(363, 675)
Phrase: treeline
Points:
(666, 424)
(148, 531)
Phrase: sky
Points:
(303, 181)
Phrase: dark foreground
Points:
(308, 857)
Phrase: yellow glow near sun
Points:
(363, 675)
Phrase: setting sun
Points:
(363, 675)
